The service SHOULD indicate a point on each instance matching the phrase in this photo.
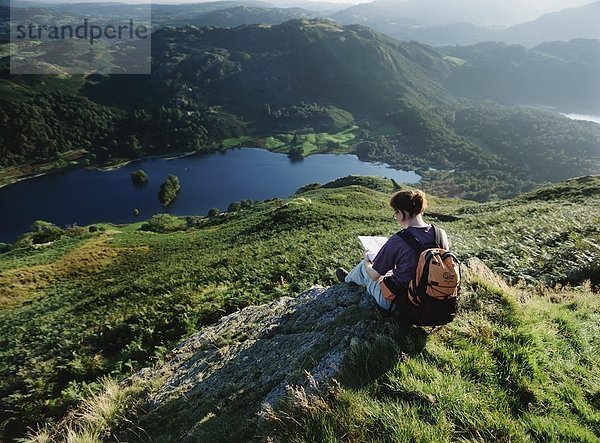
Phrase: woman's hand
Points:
(368, 264)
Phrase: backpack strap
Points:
(439, 241)
(414, 242)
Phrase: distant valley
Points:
(562, 75)
(404, 103)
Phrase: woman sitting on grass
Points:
(396, 255)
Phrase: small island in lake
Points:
(168, 190)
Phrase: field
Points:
(310, 143)
(518, 365)
(108, 302)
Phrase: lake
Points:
(207, 180)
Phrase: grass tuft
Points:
(101, 414)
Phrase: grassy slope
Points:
(516, 366)
(139, 293)
(539, 236)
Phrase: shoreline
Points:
(93, 167)
(249, 141)
(150, 157)
(20, 179)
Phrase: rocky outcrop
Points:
(247, 360)
(224, 383)
(237, 370)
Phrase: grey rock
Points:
(250, 358)
(237, 370)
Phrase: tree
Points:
(163, 223)
(134, 146)
(234, 207)
(139, 177)
(213, 212)
(44, 232)
(296, 153)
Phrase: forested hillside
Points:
(213, 88)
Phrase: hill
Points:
(442, 35)
(216, 76)
(452, 24)
(325, 366)
(263, 85)
(579, 22)
(436, 12)
(300, 60)
(246, 15)
(110, 300)
(160, 12)
(325, 8)
(214, 13)
(557, 74)
(426, 22)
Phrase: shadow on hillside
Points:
(397, 341)
(227, 373)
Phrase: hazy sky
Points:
(559, 4)
(282, 3)
(531, 8)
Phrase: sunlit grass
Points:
(235, 142)
(502, 374)
(455, 60)
(120, 314)
(311, 143)
(100, 414)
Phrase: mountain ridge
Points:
(578, 22)
(246, 15)
(270, 85)
(515, 75)
(566, 24)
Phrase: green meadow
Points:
(309, 142)
(520, 363)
